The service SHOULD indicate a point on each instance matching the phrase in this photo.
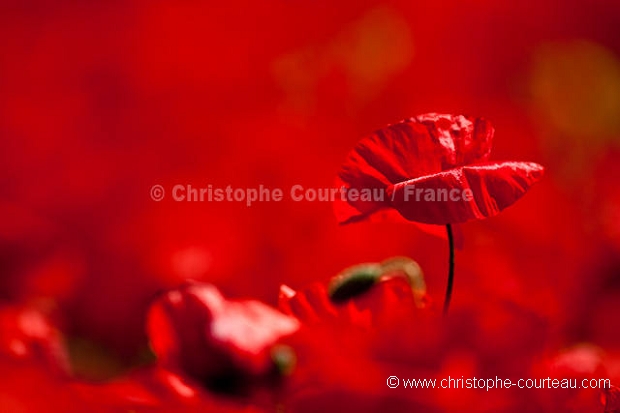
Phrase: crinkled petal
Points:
(416, 147)
(465, 193)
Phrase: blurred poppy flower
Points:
(416, 163)
(340, 365)
(34, 363)
(375, 318)
(581, 362)
(226, 346)
(362, 295)
(26, 334)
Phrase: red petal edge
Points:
(494, 187)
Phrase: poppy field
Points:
(310, 206)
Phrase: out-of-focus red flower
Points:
(574, 380)
(156, 389)
(414, 162)
(363, 295)
(583, 362)
(341, 364)
(26, 334)
(34, 364)
(224, 345)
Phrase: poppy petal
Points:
(415, 147)
(418, 146)
(462, 194)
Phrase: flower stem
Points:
(446, 303)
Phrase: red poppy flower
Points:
(432, 169)
(224, 345)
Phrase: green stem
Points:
(446, 303)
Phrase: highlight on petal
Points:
(462, 194)
(415, 147)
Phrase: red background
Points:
(101, 100)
